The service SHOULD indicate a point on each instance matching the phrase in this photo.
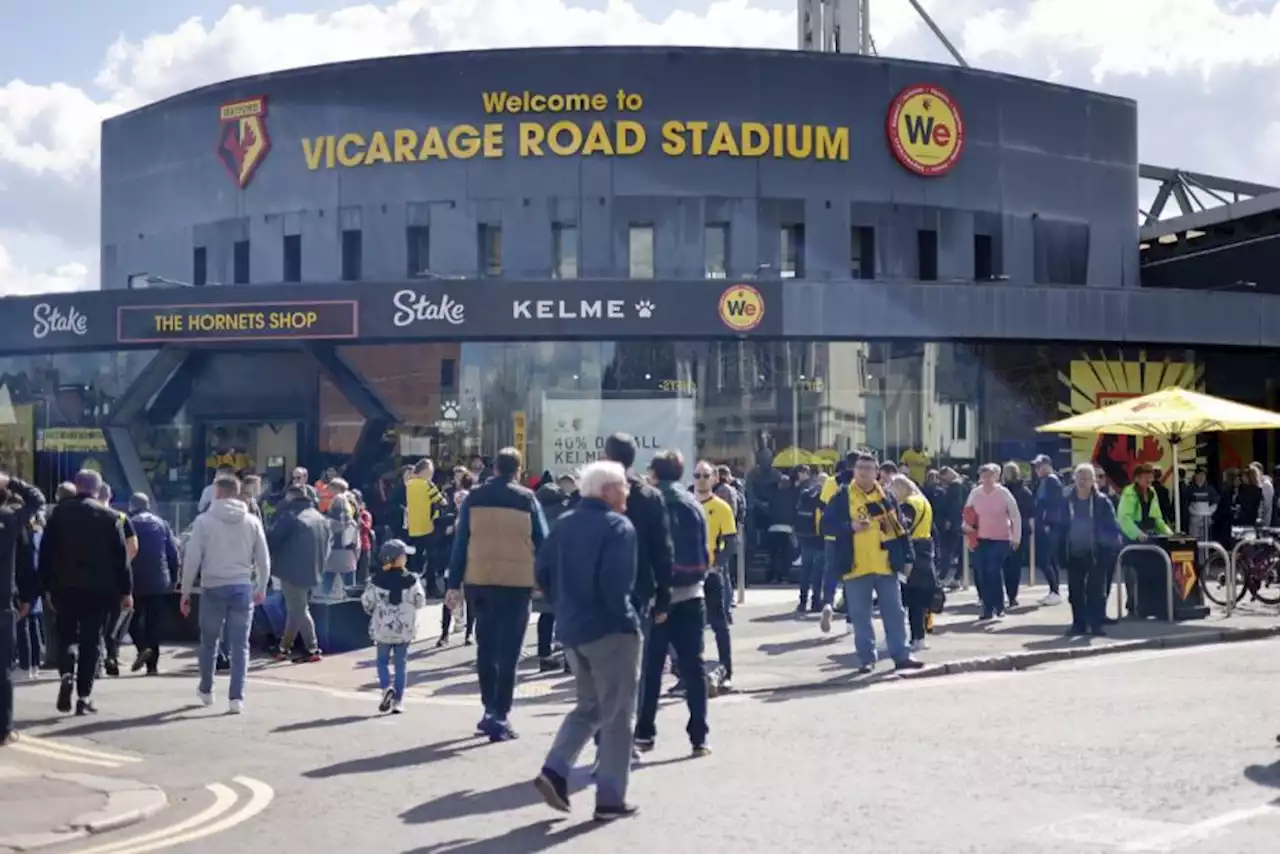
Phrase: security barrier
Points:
(1118, 580)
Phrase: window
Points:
(199, 266)
(564, 250)
(862, 248)
(983, 257)
(959, 422)
(352, 254)
(1061, 251)
(792, 252)
(716, 251)
(490, 243)
(240, 263)
(448, 373)
(418, 243)
(293, 258)
(927, 254)
(640, 251)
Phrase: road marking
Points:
(47, 753)
(224, 798)
(260, 797)
(1199, 831)
(411, 696)
(55, 744)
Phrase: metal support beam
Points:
(1231, 186)
(121, 445)
(937, 31)
(133, 404)
(164, 408)
(349, 384)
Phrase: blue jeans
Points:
(988, 565)
(386, 652)
(1047, 557)
(811, 564)
(830, 572)
(857, 600)
(229, 607)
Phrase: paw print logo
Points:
(449, 410)
(644, 309)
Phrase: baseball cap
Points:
(394, 550)
(1042, 460)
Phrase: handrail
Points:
(1233, 574)
(1230, 561)
(1118, 581)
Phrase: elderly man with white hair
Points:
(1089, 543)
(587, 567)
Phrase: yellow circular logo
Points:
(741, 308)
(925, 130)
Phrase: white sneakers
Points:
(824, 622)
(397, 708)
(919, 645)
(235, 707)
(1051, 599)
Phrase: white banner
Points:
(574, 431)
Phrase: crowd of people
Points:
(626, 569)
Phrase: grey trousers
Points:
(606, 673)
(297, 619)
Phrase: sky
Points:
(1206, 74)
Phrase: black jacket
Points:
(648, 514)
(155, 567)
(83, 549)
(15, 535)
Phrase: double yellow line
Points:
(47, 748)
(225, 812)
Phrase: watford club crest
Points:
(243, 142)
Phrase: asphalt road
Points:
(1166, 751)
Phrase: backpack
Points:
(683, 573)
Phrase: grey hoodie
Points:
(227, 546)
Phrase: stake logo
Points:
(741, 308)
(243, 141)
(925, 130)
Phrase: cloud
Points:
(1205, 74)
(58, 277)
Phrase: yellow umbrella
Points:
(1170, 414)
(789, 457)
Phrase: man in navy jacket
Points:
(155, 572)
(587, 567)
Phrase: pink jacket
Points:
(998, 516)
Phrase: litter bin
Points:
(1152, 593)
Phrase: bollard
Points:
(1031, 558)
(742, 571)
(966, 578)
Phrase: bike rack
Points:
(1118, 579)
(1229, 559)
(1233, 574)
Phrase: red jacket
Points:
(366, 531)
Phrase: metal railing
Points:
(1118, 580)
(1229, 561)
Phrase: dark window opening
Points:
(199, 266)
(862, 261)
(448, 372)
(792, 251)
(293, 257)
(418, 243)
(984, 261)
(1061, 251)
(352, 255)
(490, 241)
(240, 263)
(927, 254)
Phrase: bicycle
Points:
(1257, 570)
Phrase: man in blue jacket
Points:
(1051, 517)
(681, 627)
(155, 575)
(587, 567)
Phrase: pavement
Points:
(777, 650)
(1160, 750)
(1135, 742)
